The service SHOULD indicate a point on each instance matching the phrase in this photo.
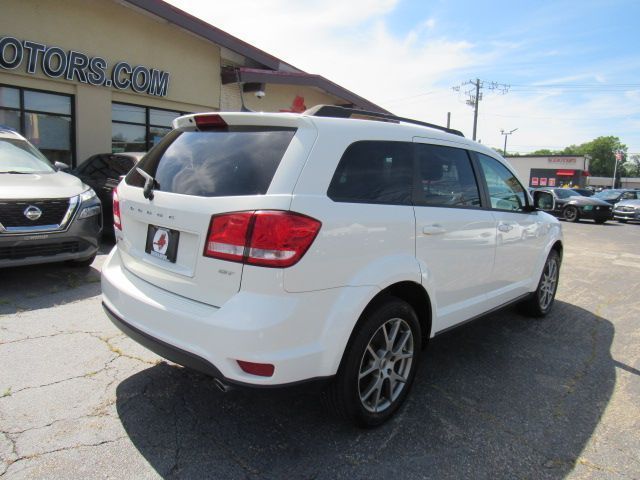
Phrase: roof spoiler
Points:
(335, 111)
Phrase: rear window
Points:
(220, 163)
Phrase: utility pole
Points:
(476, 100)
(448, 119)
(474, 95)
(502, 132)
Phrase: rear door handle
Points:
(503, 227)
(434, 229)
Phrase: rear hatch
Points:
(229, 163)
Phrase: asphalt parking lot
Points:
(505, 397)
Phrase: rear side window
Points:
(219, 163)
(374, 172)
(446, 177)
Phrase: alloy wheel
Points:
(385, 365)
(548, 283)
(571, 214)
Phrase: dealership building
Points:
(552, 171)
(80, 77)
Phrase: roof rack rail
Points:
(344, 112)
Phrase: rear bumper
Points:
(297, 333)
(184, 358)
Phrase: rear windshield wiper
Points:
(15, 172)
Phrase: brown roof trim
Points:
(203, 29)
(209, 32)
(255, 75)
(524, 155)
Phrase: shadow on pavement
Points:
(505, 397)
(35, 287)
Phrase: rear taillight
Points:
(116, 210)
(228, 236)
(268, 238)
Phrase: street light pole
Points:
(502, 132)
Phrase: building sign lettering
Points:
(55, 62)
(562, 160)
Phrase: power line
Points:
(474, 95)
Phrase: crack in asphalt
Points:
(62, 449)
(118, 353)
(56, 334)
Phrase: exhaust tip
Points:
(223, 387)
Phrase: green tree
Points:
(544, 151)
(631, 168)
(602, 152)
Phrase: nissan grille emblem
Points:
(32, 213)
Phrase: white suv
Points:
(273, 249)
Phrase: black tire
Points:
(540, 304)
(82, 263)
(600, 221)
(570, 214)
(344, 395)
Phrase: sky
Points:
(565, 72)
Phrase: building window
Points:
(44, 118)
(135, 128)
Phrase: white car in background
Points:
(271, 249)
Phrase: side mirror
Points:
(61, 167)
(544, 201)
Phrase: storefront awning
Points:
(256, 76)
(566, 173)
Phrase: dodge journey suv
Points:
(271, 249)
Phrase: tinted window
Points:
(374, 172)
(608, 194)
(230, 162)
(446, 177)
(566, 193)
(43, 118)
(505, 190)
(47, 102)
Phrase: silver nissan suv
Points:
(46, 215)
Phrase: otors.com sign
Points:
(71, 65)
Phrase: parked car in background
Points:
(585, 192)
(102, 172)
(268, 249)
(613, 196)
(46, 215)
(570, 205)
(627, 210)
